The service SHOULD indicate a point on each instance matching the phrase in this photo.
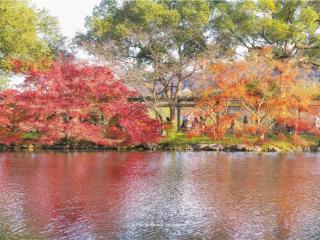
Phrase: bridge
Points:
(189, 102)
(182, 102)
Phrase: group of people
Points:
(190, 121)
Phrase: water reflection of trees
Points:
(167, 194)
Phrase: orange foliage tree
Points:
(269, 90)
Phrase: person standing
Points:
(184, 123)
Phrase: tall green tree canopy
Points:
(160, 39)
(291, 27)
(24, 33)
(49, 31)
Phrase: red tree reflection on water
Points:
(133, 194)
(70, 190)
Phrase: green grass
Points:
(281, 145)
(30, 136)
(231, 140)
(174, 138)
(180, 139)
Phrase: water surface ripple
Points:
(159, 195)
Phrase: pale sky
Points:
(71, 13)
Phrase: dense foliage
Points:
(160, 45)
(159, 41)
(26, 33)
(267, 91)
(253, 66)
(291, 27)
(74, 101)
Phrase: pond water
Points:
(159, 195)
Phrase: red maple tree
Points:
(75, 101)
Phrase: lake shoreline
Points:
(166, 147)
(219, 148)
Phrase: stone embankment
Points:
(166, 147)
(228, 148)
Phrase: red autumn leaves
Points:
(74, 101)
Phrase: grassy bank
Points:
(178, 139)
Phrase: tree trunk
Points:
(178, 118)
(173, 114)
(261, 131)
(262, 137)
(296, 126)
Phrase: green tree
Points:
(160, 42)
(49, 31)
(24, 33)
(291, 27)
